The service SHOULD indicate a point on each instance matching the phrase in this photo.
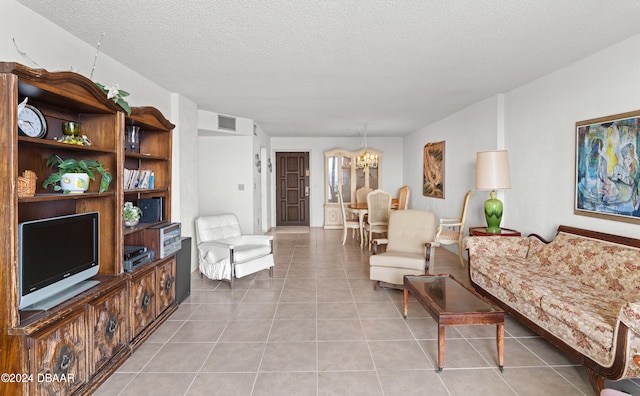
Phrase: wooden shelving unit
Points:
(90, 335)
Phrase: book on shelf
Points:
(137, 178)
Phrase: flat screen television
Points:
(56, 257)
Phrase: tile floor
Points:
(319, 328)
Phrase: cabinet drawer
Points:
(165, 288)
(108, 318)
(59, 357)
(143, 301)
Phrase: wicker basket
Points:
(27, 184)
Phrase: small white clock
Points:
(31, 122)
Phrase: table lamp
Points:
(492, 173)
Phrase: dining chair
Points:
(410, 248)
(403, 198)
(347, 223)
(378, 208)
(361, 194)
(451, 231)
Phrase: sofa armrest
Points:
(630, 316)
(213, 251)
(234, 242)
(258, 239)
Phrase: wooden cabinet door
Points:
(165, 287)
(110, 329)
(143, 303)
(59, 357)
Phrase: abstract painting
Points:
(607, 174)
(433, 174)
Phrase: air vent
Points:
(226, 123)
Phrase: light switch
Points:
(240, 187)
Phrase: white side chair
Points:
(378, 209)
(361, 194)
(403, 197)
(224, 253)
(451, 231)
(347, 223)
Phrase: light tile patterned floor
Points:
(319, 328)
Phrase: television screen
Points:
(56, 254)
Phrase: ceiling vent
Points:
(227, 123)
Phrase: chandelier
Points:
(366, 159)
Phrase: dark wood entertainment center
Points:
(83, 340)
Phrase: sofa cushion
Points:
(410, 261)
(583, 317)
(244, 253)
(596, 264)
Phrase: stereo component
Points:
(163, 238)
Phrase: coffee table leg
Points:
(500, 341)
(440, 348)
(406, 302)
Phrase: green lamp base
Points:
(493, 213)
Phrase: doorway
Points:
(292, 189)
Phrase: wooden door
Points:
(292, 189)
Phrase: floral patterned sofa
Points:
(580, 291)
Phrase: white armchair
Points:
(224, 253)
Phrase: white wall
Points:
(185, 164)
(224, 163)
(261, 181)
(391, 176)
(55, 49)
(466, 132)
(538, 121)
(540, 125)
(240, 149)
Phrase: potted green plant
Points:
(70, 175)
(131, 214)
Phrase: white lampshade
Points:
(492, 170)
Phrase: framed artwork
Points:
(607, 175)
(433, 172)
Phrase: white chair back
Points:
(215, 227)
(403, 198)
(410, 229)
(361, 194)
(378, 207)
(342, 210)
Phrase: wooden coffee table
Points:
(451, 303)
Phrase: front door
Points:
(292, 189)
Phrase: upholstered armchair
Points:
(224, 253)
(410, 248)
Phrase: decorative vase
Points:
(132, 138)
(131, 223)
(74, 183)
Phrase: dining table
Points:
(361, 209)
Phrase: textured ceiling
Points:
(326, 67)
